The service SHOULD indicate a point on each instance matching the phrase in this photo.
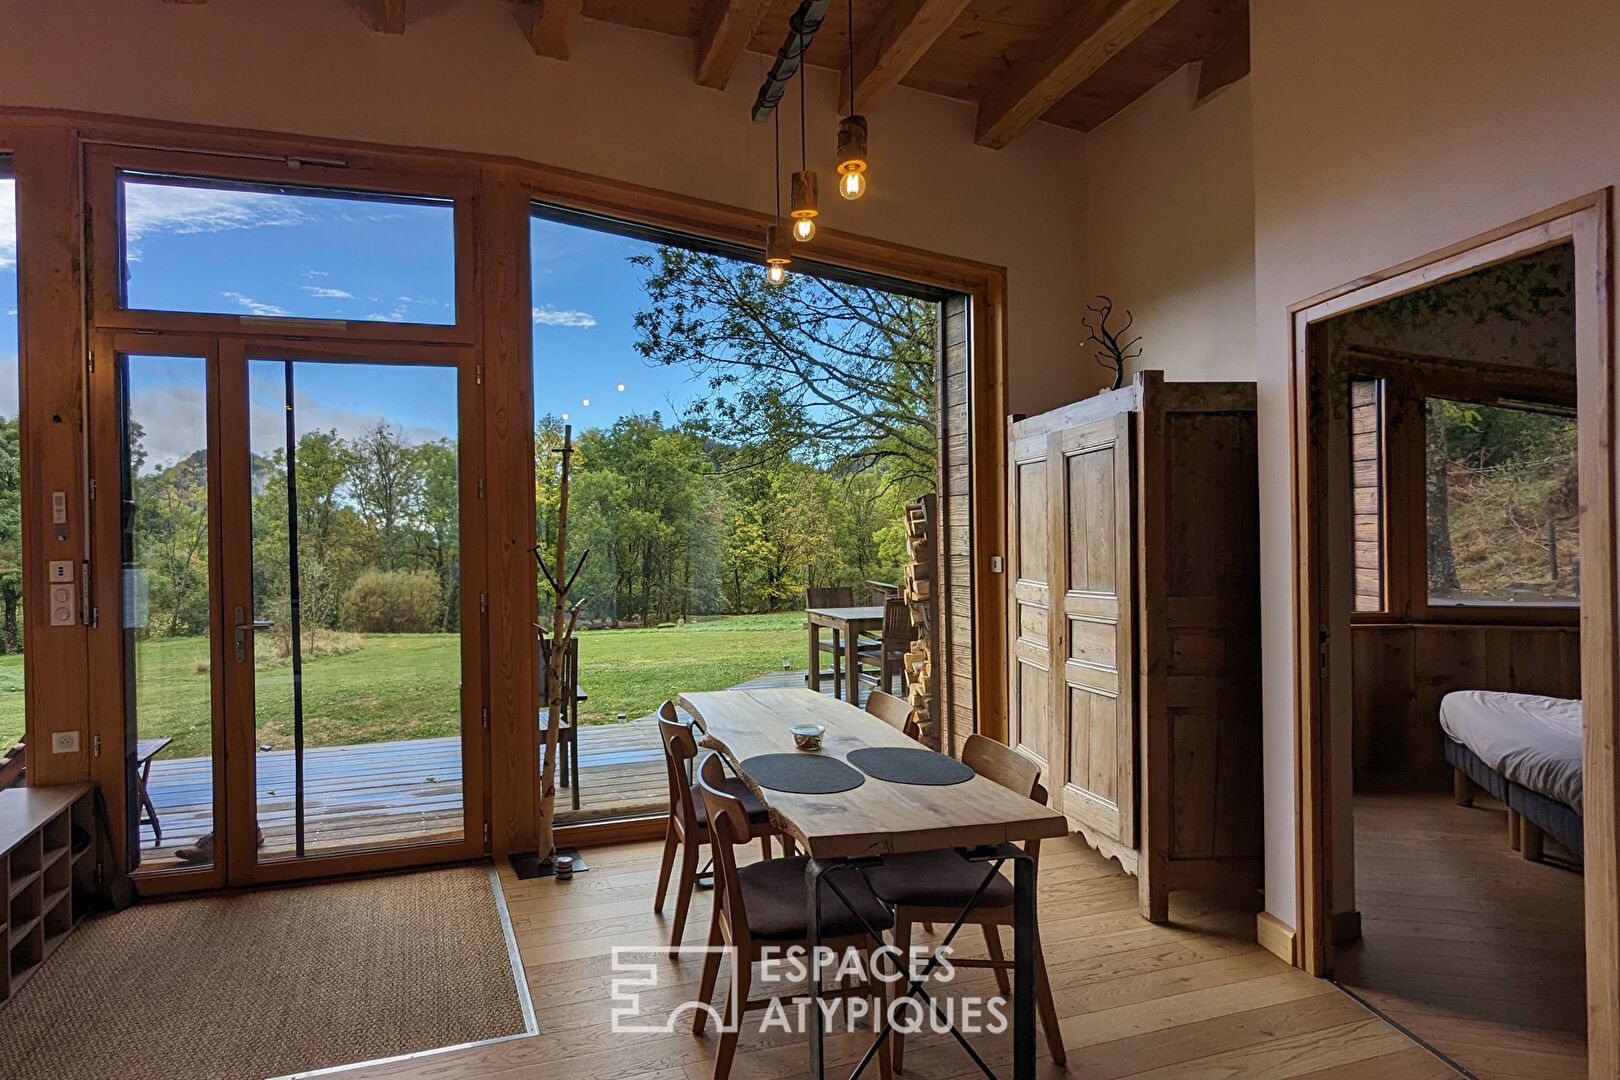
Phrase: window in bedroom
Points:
(1502, 504)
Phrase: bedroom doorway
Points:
(1455, 533)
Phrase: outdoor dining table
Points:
(847, 625)
(851, 829)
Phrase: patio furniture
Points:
(847, 624)
(145, 751)
(688, 826)
(759, 907)
(818, 597)
(894, 711)
(933, 886)
(881, 591)
(888, 653)
(568, 731)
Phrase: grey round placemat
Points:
(910, 765)
(802, 773)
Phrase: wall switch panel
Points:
(58, 508)
(63, 609)
(61, 570)
(64, 742)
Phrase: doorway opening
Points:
(1456, 549)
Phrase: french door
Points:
(297, 604)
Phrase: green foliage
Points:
(392, 602)
(10, 538)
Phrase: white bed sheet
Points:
(1532, 740)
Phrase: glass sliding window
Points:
(218, 247)
(1367, 491)
(11, 606)
(1503, 504)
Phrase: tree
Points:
(10, 537)
(834, 373)
(385, 474)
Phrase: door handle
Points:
(242, 628)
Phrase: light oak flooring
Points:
(1194, 999)
(1466, 945)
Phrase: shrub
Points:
(392, 602)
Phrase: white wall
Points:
(1170, 227)
(462, 77)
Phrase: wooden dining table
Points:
(847, 625)
(845, 831)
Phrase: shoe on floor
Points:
(200, 852)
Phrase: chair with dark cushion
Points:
(688, 827)
(761, 906)
(934, 886)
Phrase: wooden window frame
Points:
(1321, 634)
(1408, 380)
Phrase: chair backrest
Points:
(570, 671)
(680, 747)
(728, 826)
(894, 711)
(1001, 763)
(897, 629)
(830, 596)
(882, 592)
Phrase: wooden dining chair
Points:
(934, 886)
(894, 711)
(763, 905)
(568, 728)
(826, 597)
(888, 653)
(688, 827)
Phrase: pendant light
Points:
(802, 202)
(776, 241)
(852, 133)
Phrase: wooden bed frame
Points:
(1532, 816)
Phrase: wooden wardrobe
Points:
(1134, 615)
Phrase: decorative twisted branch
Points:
(1111, 354)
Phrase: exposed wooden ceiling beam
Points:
(905, 31)
(728, 26)
(1226, 64)
(391, 17)
(546, 22)
(1088, 38)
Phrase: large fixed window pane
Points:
(11, 607)
(217, 247)
(1503, 505)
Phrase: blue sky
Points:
(8, 297)
(263, 254)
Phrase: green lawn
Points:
(404, 686)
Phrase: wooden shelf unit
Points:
(39, 869)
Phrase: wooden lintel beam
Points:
(906, 30)
(1226, 64)
(546, 23)
(1076, 48)
(728, 27)
(391, 16)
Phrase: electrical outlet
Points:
(995, 564)
(64, 742)
(61, 569)
(62, 606)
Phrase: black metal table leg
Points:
(1023, 968)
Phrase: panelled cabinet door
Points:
(1094, 761)
(1029, 608)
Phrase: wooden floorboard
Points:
(1195, 998)
(1466, 945)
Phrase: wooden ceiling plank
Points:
(391, 17)
(546, 23)
(1085, 40)
(906, 30)
(1226, 64)
(728, 27)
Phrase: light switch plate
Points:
(62, 606)
(61, 569)
(995, 564)
(64, 742)
(59, 508)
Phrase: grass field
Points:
(406, 686)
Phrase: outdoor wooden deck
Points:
(380, 794)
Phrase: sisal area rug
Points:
(266, 983)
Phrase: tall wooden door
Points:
(1029, 607)
(1093, 704)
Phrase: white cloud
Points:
(328, 294)
(167, 208)
(546, 315)
(397, 315)
(254, 307)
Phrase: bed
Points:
(1525, 751)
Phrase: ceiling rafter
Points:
(1077, 47)
(905, 31)
(728, 26)
(391, 16)
(546, 24)
(1226, 63)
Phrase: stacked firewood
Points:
(921, 529)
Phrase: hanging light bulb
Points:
(805, 193)
(852, 132)
(776, 255)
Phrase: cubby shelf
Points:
(40, 872)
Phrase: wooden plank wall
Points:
(1367, 494)
(1402, 671)
(954, 605)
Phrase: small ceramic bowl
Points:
(807, 736)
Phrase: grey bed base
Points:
(1554, 818)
